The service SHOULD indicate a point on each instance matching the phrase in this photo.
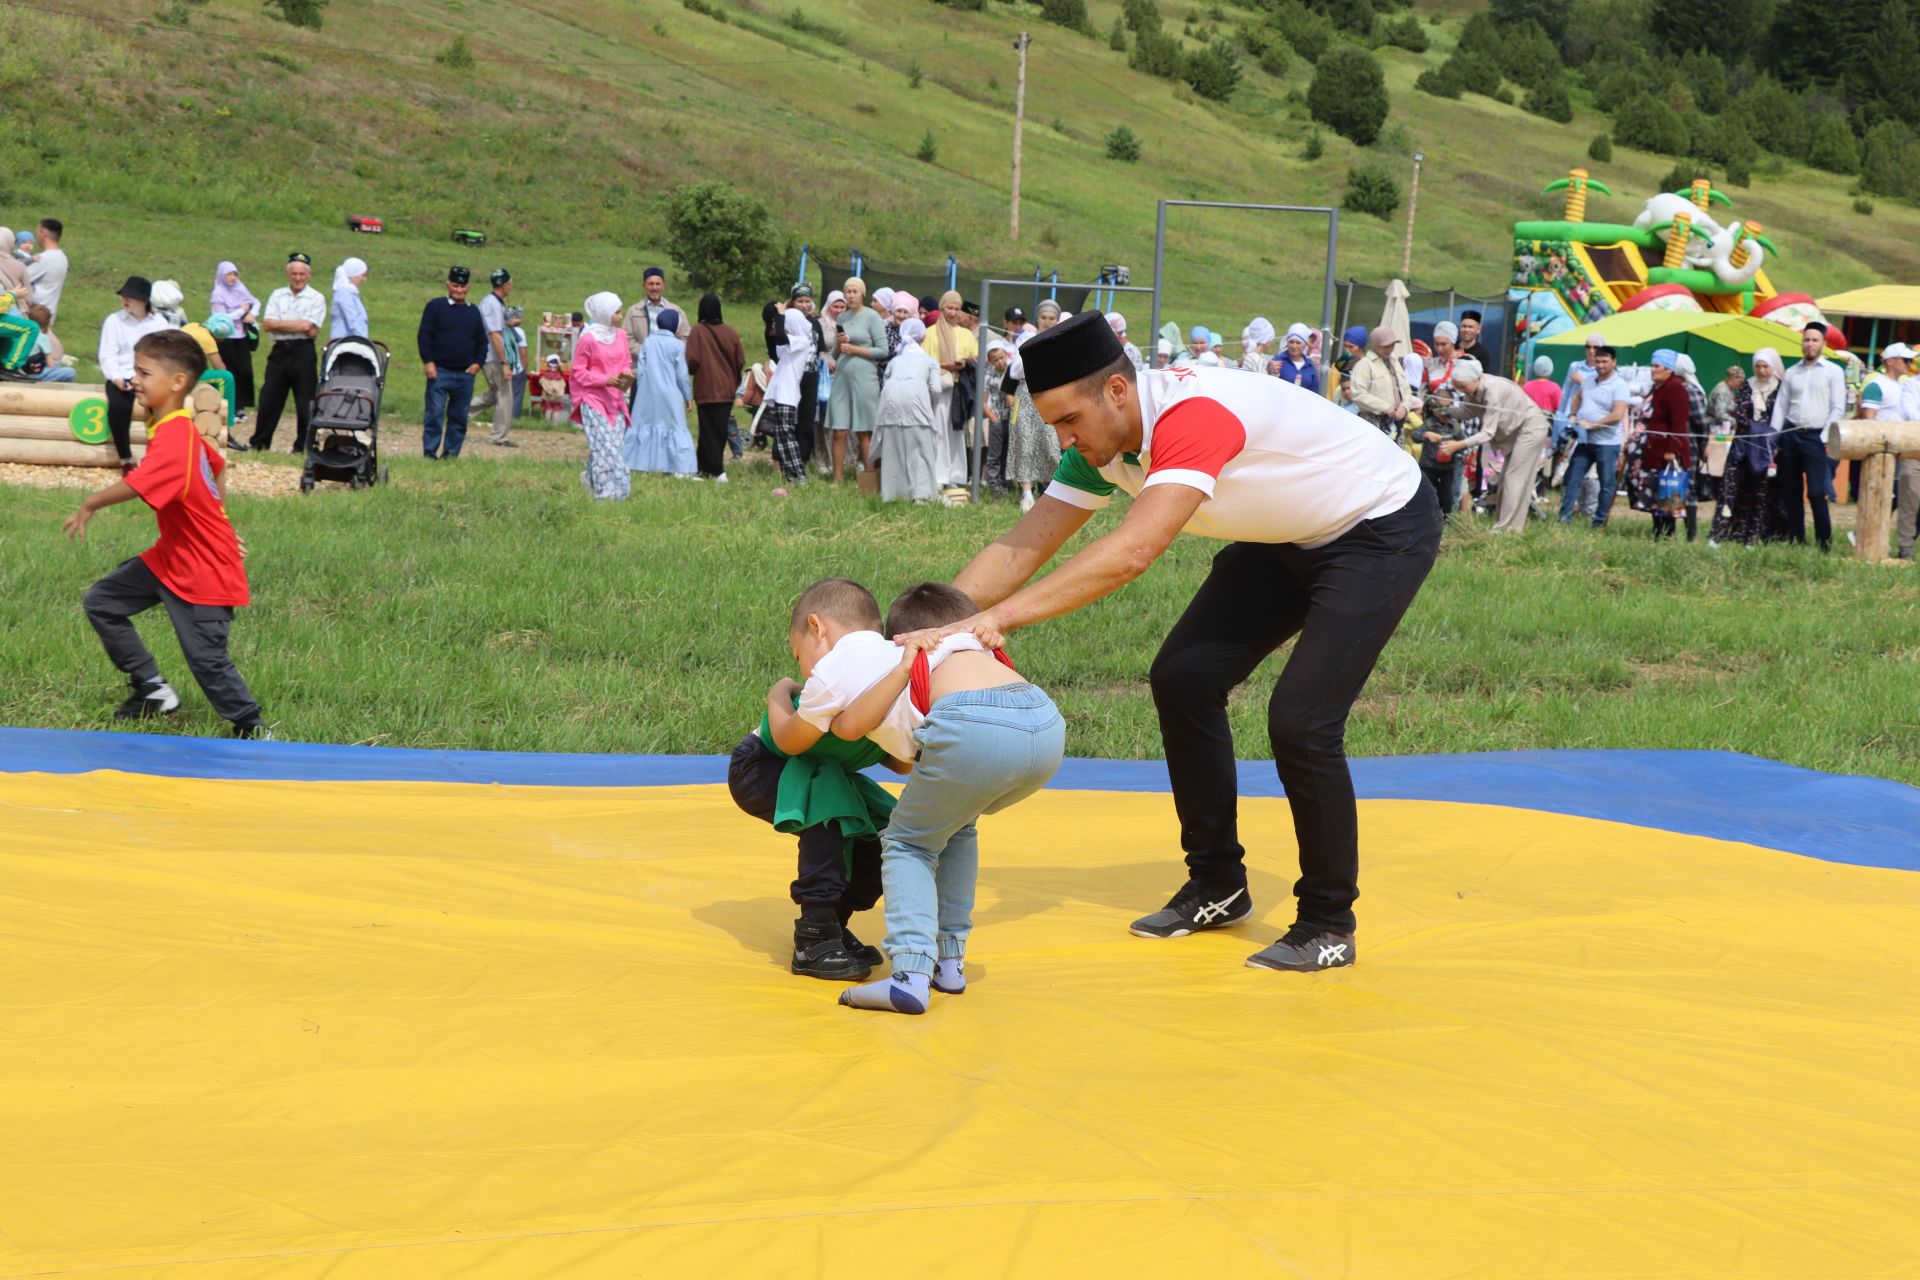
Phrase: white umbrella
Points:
(1395, 317)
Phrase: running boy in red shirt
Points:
(194, 569)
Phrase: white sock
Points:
(949, 975)
(900, 993)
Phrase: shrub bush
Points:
(1600, 149)
(1156, 53)
(1371, 189)
(929, 150)
(299, 13)
(1117, 37)
(1214, 71)
(1276, 58)
(1890, 162)
(1349, 94)
(1316, 146)
(1476, 72)
(1141, 15)
(1863, 206)
(1439, 81)
(725, 240)
(456, 56)
(1405, 33)
(1550, 101)
(1651, 125)
(1071, 14)
(1832, 146)
(1123, 144)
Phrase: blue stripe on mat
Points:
(1863, 821)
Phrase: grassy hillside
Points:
(240, 136)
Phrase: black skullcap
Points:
(1014, 315)
(300, 257)
(1071, 350)
(458, 275)
(500, 276)
(1473, 316)
(1817, 327)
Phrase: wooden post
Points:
(1874, 503)
(1413, 202)
(1019, 119)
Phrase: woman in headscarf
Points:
(1033, 449)
(1295, 366)
(13, 273)
(715, 359)
(1746, 491)
(1666, 441)
(235, 301)
(906, 422)
(1255, 340)
(860, 342)
(781, 417)
(1118, 323)
(349, 318)
(602, 375)
(954, 348)
(1176, 347)
(657, 438)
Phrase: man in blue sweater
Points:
(453, 346)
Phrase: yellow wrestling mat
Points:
(408, 1029)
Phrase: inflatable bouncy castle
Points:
(1675, 256)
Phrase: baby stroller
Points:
(343, 442)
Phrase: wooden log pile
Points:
(1877, 442)
(35, 425)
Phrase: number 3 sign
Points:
(89, 422)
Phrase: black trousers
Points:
(1804, 468)
(202, 628)
(293, 369)
(825, 883)
(711, 448)
(239, 361)
(120, 421)
(809, 413)
(1343, 601)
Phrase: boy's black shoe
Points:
(153, 699)
(1194, 909)
(869, 956)
(1306, 948)
(820, 951)
(256, 731)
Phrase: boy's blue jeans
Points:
(980, 752)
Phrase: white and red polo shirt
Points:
(1277, 463)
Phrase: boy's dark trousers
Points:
(202, 628)
(823, 886)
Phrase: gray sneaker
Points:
(1193, 909)
(1306, 948)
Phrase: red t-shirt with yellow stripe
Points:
(198, 554)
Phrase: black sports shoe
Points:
(867, 955)
(149, 700)
(257, 731)
(1193, 909)
(1306, 948)
(820, 951)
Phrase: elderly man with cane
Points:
(1329, 533)
(1512, 423)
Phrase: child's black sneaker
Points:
(255, 731)
(820, 951)
(1306, 948)
(863, 952)
(1193, 909)
(154, 698)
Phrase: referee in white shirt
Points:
(1812, 397)
(292, 321)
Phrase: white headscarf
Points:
(344, 273)
(912, 333)
(1258, 333)
(883, 298)
(166, 299)
(1300, 331)
(799, 331)
(1118, 323)
(602, 309)
(835, 296)
(1769, 357)
(1447, 329)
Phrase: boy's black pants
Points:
(753, 776)
(132, 588)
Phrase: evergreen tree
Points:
(1349, 94)
(1831, 146)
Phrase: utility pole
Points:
(1019, 119)
(1413, 199)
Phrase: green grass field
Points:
(492, 605)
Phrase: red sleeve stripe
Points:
(1196, 435)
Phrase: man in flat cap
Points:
(1509, 420)
(1329, 532)
(640, 316)
(499, 397)
(291, 321)
(453, 347)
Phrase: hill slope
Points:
(239, 136)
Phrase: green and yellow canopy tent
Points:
(1876, 316)
(1713, 340)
